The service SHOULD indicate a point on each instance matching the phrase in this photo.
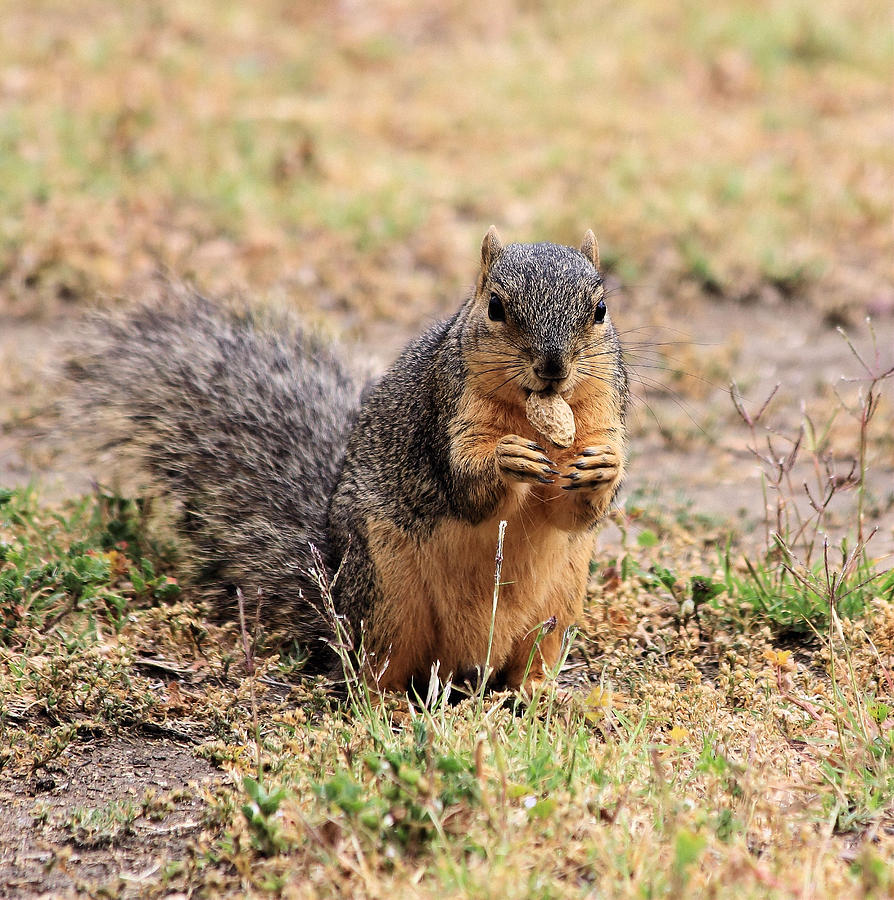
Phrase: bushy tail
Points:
(244, 425)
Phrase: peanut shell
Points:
(552, 417)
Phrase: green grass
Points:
(654, 781)
(804, 599)
(733, 733)
(101, 826)
(85, 561)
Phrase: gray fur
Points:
(244, 427)
(397, 464)
(253, 431)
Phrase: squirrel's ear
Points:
(491, 247)
(590, 248)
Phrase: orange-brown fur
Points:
(368, 516)
(442, 451)
(446, 583)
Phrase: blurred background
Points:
(734, 159)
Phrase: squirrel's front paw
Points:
(595, 468)
(523, 460)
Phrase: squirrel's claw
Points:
(523, 460)
(595, 457)
(595, 466)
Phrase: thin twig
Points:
(248, 651)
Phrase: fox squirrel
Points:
(270, 445)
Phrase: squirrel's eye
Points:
(599, 317)
(495, 311)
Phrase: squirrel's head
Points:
(539, 320)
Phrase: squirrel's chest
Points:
(536, 558)
(437, 593)
(542, 576)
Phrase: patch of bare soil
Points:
(90, 820)
(31, 447)
(692, 456)
(690, 450)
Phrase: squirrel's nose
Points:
(551, 368)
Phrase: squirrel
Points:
(298, 483)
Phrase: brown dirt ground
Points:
(689, 447)
(690, 457)
(39, 856)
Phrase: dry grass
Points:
(347, 160)
(693, 752)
